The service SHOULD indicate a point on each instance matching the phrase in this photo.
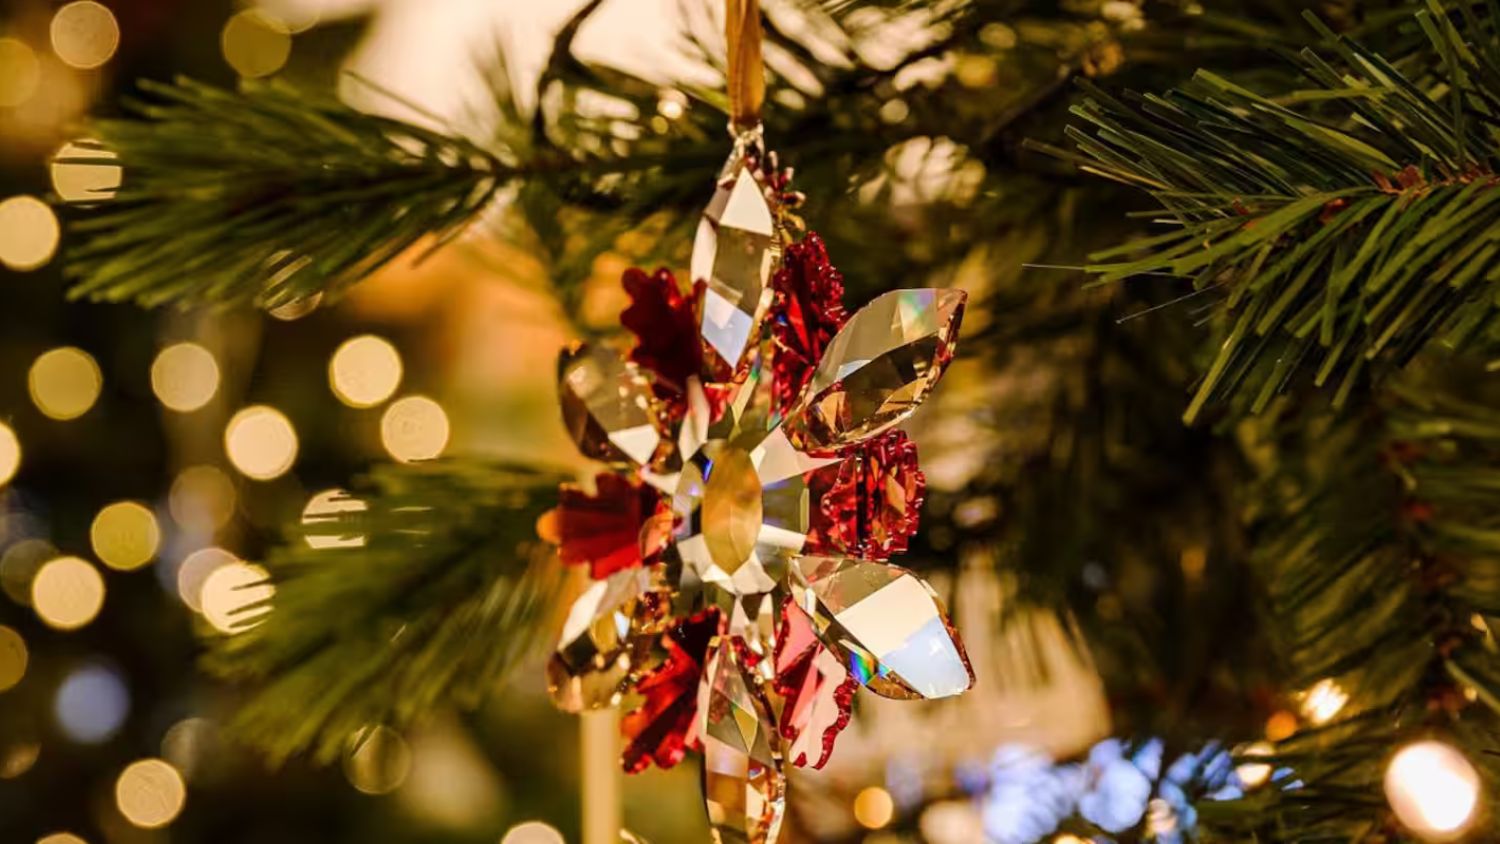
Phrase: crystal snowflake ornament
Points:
(741, 594)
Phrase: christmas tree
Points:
(1207, 487)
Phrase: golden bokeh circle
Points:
(13, 658)
(533, 832)
(202, 498)
(150, 793)
(85, 34)
(184, 377)
(61, 838)
(255, 44)
(261, 442)
(378, 761)
(194, 571)
(321, 514)
(67, 593)
(10, 454)
(874, 808)
(364, 371)
(20, 72)
(64, 383)
(414, 428)
(75, 180)
(125, 535)
(29, 233)
(228, 593)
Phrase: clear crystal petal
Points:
(878, 368)
(743, 785)
(886, 624)
(734, 252)
(608, 406)
(603, 639)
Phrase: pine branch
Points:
(269, 195)
(1351, 223)
(1381, 554)
(427, 597)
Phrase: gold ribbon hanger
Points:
(747, 72)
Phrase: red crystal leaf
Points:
(818, 690)
(660, 730)
(665, 325)
(807, 311)
(869, 503)
(606, 530)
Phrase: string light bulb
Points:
(1433, 790)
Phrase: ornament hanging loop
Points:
(747, 73)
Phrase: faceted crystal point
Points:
(607, 406)
(733, 254)
(602, 641)
(878, 368)
(818, 692)
(887, 626)
(743, 786)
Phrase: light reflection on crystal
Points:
(607, 405)
(743, 786)
(886, 624)
(598, 647)
(734, 252)
(878, 368)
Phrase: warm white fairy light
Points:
(1323, 701)
(261, 442)
(150, 793)
(1433, 790)
(364, 371)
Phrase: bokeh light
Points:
(64, 382)
(91, 704)
(378, 761)
(61, 838)
(78, 181)
(533, 832)
(322, 510)
(67, 593)
(414, 428)
(10, 454)
(229, 592)
(20, 72)
(85, 34)
(125, 535)
(13, 658)
(261, 442)
(19, 565)
(1433, 790)
(184, 377)
(364, 371)
(202, 498)
(150, 793)
(1253, 775)
(189, 745)
(874, 808)
(256, 44)
(18, 759)
(1281, 725)
(194, 570)
(1323, 701)
(28, 233)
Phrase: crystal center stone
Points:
(732, 510)
(742, 511)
